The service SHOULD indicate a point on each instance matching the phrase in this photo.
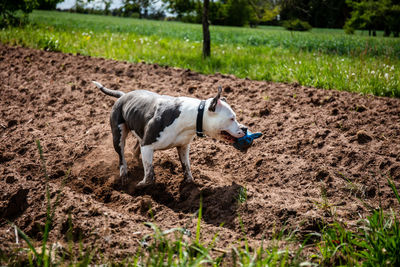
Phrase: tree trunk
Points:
(386, 32)
(206, 31)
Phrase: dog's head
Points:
(220, 120)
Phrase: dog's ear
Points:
(215, 100)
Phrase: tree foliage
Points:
(225, 12)
(374, 15)
(9, 11)
(48, 4)
(263, 10)
(138, 8)
(319, 13)
(238, 12)
(181, 7)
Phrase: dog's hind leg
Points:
(147, 159)
(136, 151)
(119, 132)
(183, 152)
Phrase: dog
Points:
(161, 122)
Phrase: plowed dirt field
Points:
(321, 153)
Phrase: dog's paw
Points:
(123, 171)
(124, 180)
(144, 183)
(189, 180)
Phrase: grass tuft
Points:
(375, 243)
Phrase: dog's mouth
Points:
(228, 137)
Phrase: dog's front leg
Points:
(183, 152)
(147, 159)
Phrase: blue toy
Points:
(243, 143)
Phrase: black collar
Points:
(199, 121)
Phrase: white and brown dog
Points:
(160, 122)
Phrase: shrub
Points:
(297, 25)
(348, 29)
(10, 11)
(190, 19)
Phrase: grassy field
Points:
(321, 58)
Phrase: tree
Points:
(138, 7)
(48, 4)
(319, 13)
(9, 11)
(181, 7)
(263, 10)
(393, 21)
(206, 31)
(217, 13)
(238, 12)
(374, 15)
(107, 5)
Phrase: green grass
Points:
(321, 58)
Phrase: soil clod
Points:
(363, 137)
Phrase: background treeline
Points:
(371, 15)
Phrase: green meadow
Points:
(323, 58)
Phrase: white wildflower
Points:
(372, 72)
(387, 76)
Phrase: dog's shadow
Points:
(219, 203)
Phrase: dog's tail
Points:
(107, 91)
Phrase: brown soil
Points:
(321, 152)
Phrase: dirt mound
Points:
(320, 152)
